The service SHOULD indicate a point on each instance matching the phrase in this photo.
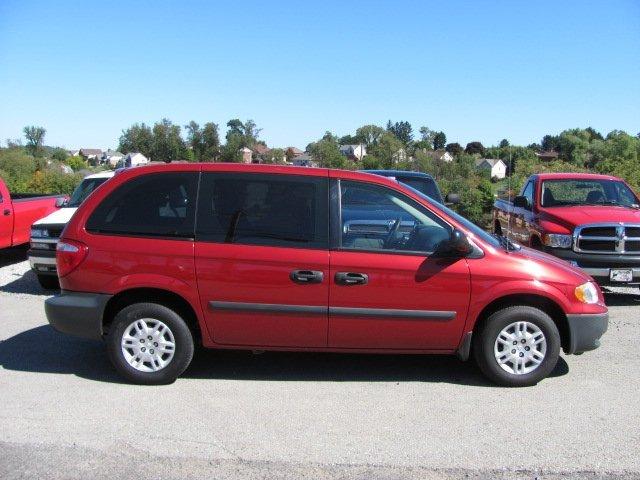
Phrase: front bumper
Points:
(599, 266)
(585, 331)
(43, 262)
(78, 314)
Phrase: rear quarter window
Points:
(157, 205)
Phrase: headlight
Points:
(39, 233)
(557, 240)
(587, 293)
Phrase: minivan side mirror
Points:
(459, 244)
(521, 202)
(452, 198)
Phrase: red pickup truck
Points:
(265, 257)
(18, 211)
(591, 221)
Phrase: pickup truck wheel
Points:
(48, 282)
(149, 344)
(517, 346)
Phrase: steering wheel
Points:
(392, 232)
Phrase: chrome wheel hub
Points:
(520, 348)
(148, 345)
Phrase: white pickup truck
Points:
(46, 231)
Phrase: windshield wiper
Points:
(507, 244)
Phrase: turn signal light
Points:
(69, 255)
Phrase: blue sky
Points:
(477, 70)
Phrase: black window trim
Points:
(335, 225)
(324, 248)
(186, 237)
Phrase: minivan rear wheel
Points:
(517, 346)
(149, 344)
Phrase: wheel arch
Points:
(167, 298)
(540, 302)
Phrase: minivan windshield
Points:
(472, 227)
(562, 193)
(83, 190)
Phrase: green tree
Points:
(439, 141)
(167, 143)
(76, 163)
(369, 162)
(369, 134)
(231, 150)
(210, 142)
(16, 168)
(349, 140)
(549, 142)
(389, 150)
(137, 138)
(326, 152)
(427, 135)
(401, 130)
(35, 140)
(59, 154)
(195, 140)
(504, 143)
(275, 155)
(454, 149)
(474, 148)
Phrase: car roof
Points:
(258, 168)
(574, 176)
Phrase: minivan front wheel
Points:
(517, 346)
(149, 344)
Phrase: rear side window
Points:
(272, 210)
(158, 205)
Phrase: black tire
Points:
(182, 354)
(485, 338)
(48, 282)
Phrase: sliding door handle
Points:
(306, 276)
(351, 278)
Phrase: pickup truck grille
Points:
(607, 238)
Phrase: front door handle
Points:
(306, 276)
(351, 278)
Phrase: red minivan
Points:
(286, 258)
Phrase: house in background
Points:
(135, 159)
(247, 155)
(439, 155)
(303, 160)
(111, 158)
(496, 167)
(293, 152)
(547, 156)
(353, 152)
(91, 155)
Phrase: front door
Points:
(390, 287)
(262, 258)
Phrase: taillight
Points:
(69, 254)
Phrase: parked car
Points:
(46, 231)
(591, 221)
(283, 258)
(423, 182)
(19, 211)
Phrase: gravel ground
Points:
(291, 415)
